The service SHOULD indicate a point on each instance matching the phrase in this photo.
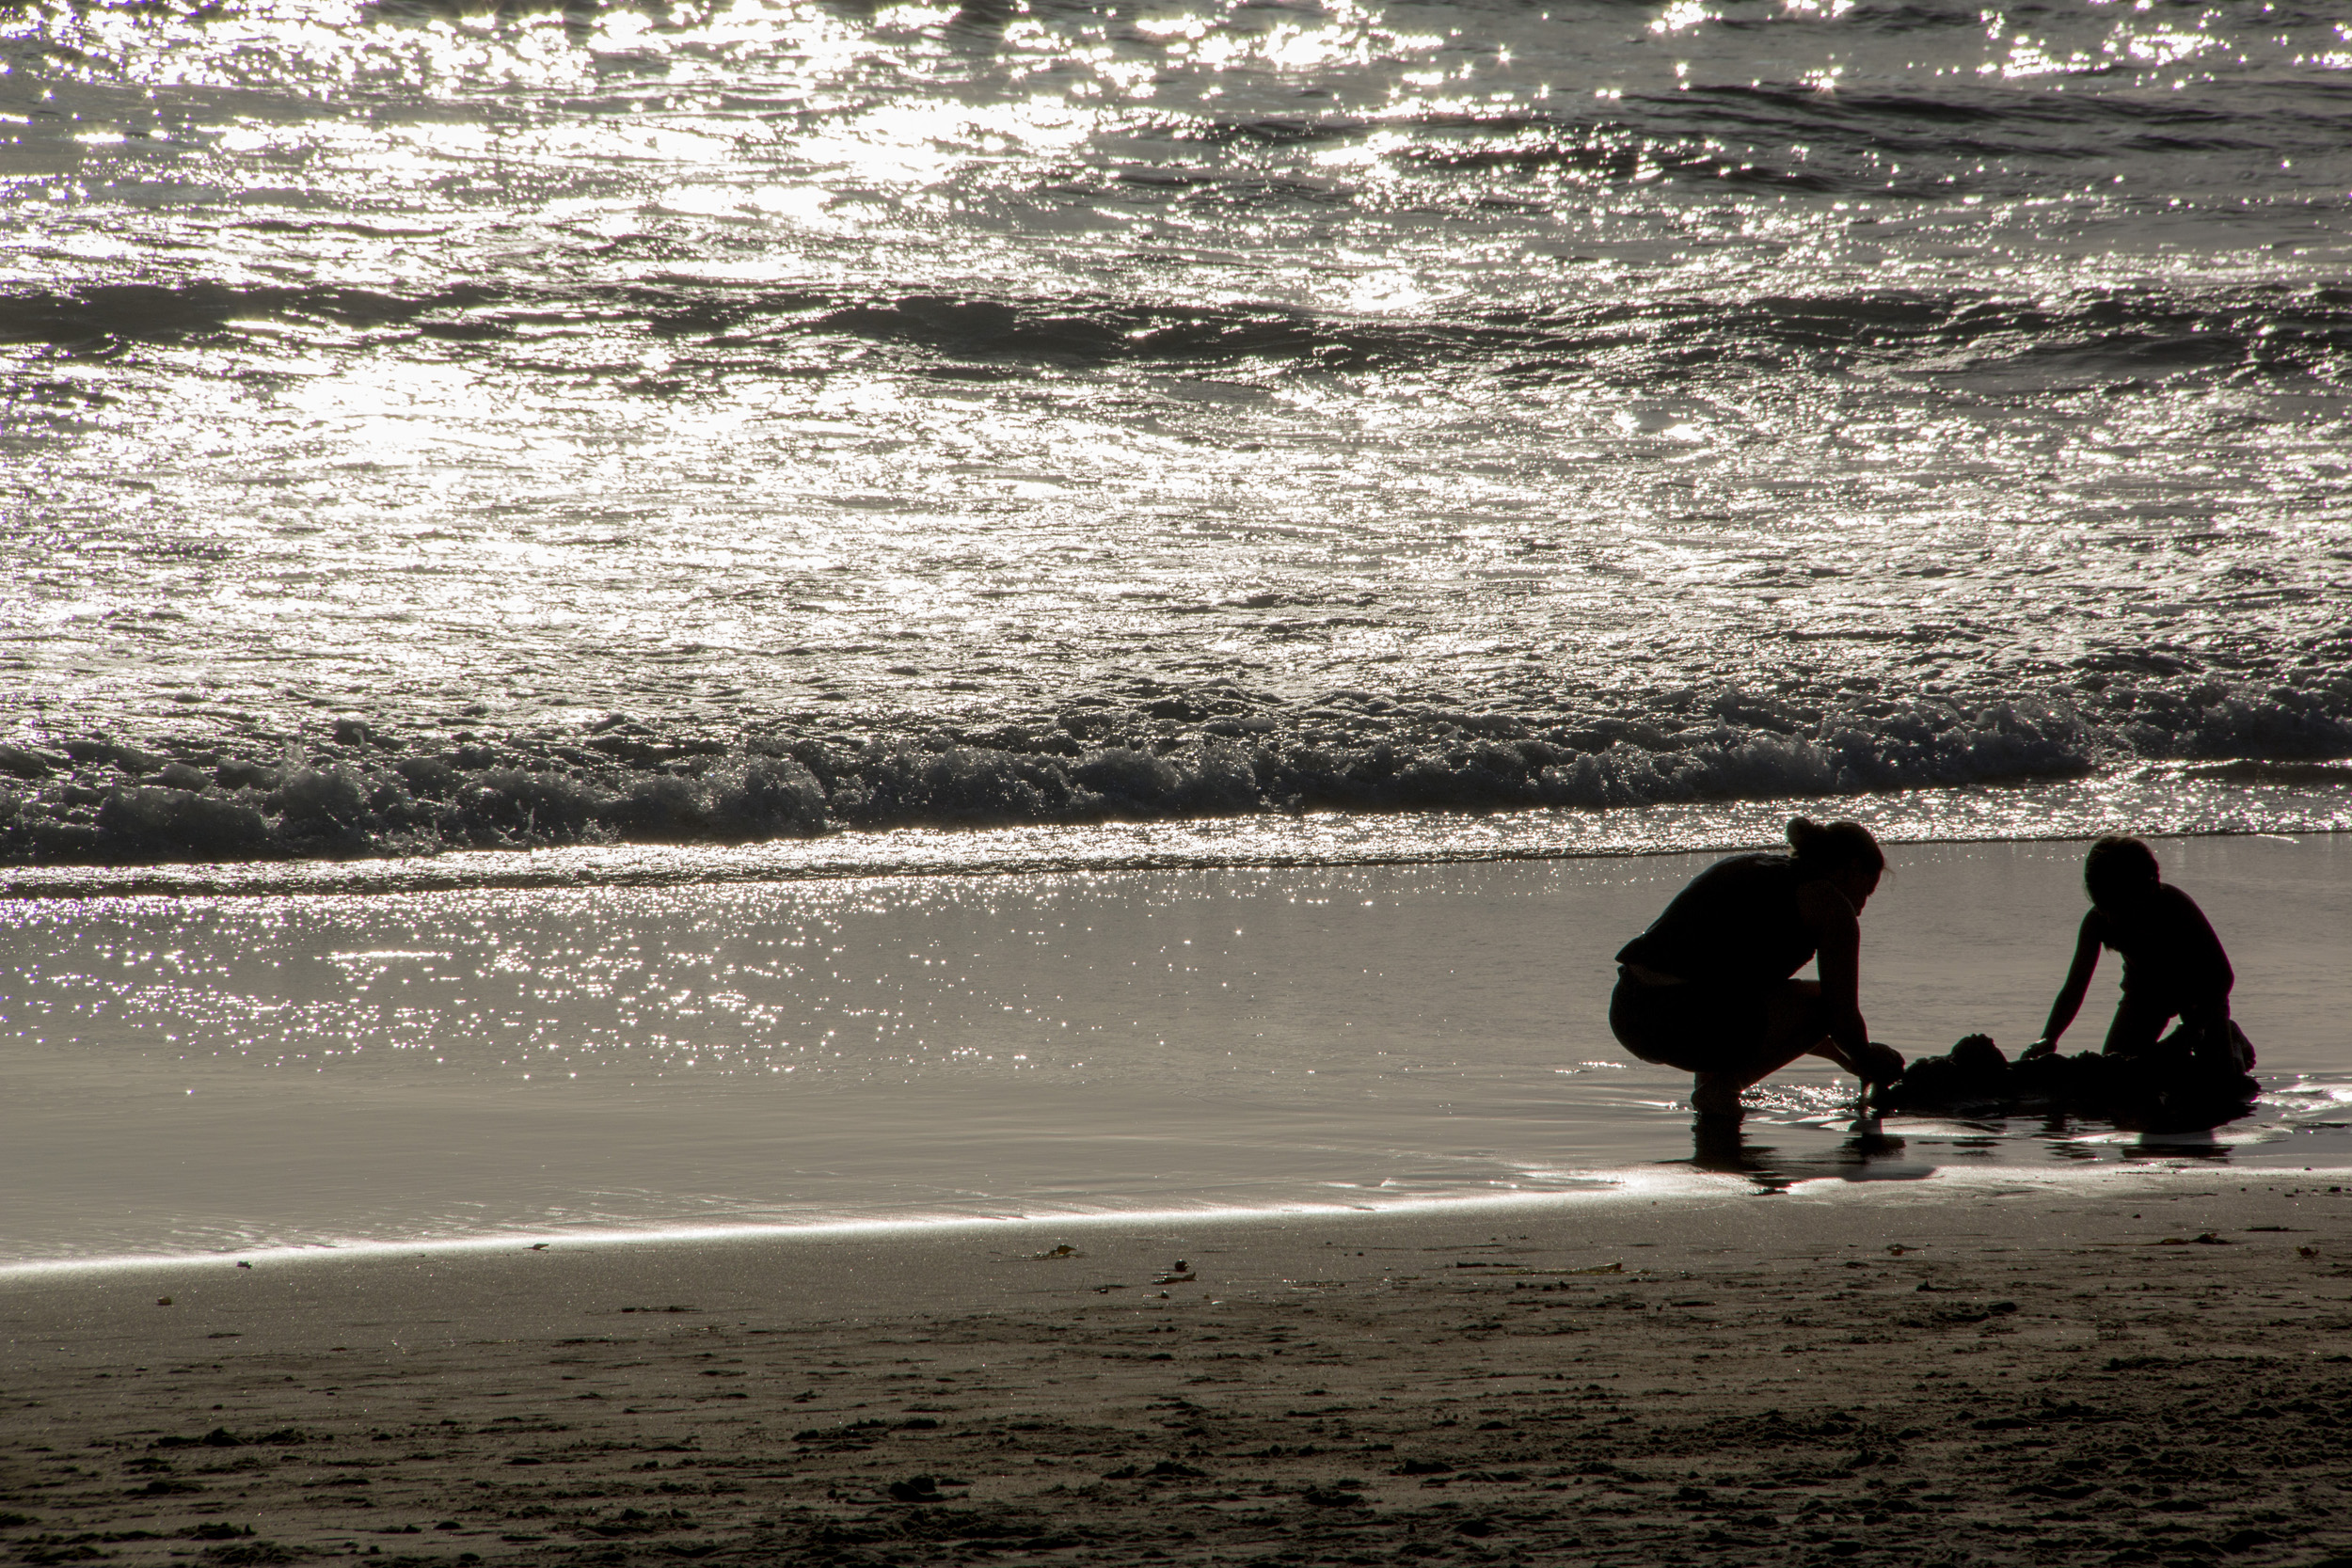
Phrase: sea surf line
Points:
(2171, 802)
(1619, 1188)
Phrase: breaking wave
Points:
(1212, 751)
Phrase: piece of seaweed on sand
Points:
(2185, 1084)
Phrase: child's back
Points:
(2169, 950)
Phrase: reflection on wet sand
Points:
(2200, 1144)
(2080, 1138)
(1870, 1153)
(1721, 1144)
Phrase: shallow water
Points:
(1057, 412)
(1186, 460)
(206, 1072)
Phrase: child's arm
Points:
(2069, 996)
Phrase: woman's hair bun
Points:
(1824, 851)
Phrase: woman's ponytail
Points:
(1825, 851)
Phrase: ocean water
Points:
(432, 426)
(544, 548)
(199, 1073)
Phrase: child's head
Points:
(2118, 872)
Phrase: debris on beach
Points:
(922, 1489)
(1166, 1470)
(2174, 1087)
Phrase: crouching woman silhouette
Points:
(1709, 987)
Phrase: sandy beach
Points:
(854, 784)
(1962, 1342)
(2139, 1367)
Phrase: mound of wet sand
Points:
(2171, 1090)
(2153, 1376)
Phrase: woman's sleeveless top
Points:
(1735, 924)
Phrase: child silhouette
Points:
(2173, 965)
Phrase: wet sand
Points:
(2140, 1367)
(198, 1074)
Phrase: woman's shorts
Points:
(1695, 1027)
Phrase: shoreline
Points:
(1315, 839)
(2007, 1377)
(213, 1075)
(1599, 1190)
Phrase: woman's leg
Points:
(1715, 1094)
(1795, 1023)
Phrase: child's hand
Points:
(1881, 1064)
(2041, 1047)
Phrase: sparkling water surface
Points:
(1189, 459)
(199, 1072)
(1594, 405)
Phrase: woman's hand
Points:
(2041, 1047)
(1880, 1064)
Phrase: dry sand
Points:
(2149, 1368)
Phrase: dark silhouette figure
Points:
(2173, 965)
(1709, 987)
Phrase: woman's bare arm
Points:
(2069, 996)
(1837, 938)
